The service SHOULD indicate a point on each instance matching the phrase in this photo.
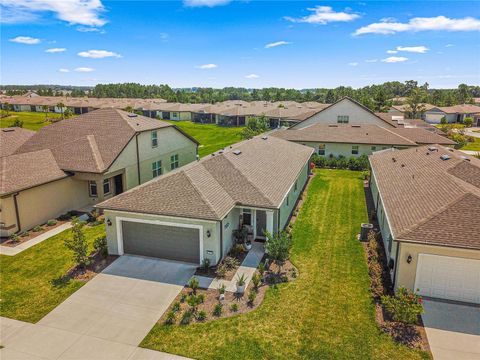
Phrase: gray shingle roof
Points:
(422, 136)
(260, 176)
(12, 138)
(425, 196)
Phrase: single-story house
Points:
(356, 140)
(12, 138)
(427, 202)
(403, 110)
(453, 114)
(345, 111)
(76, 163)
(190, 214)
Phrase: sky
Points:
(254, 44)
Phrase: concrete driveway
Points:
(106, 319)
(453, 330)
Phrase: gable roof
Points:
(23, 171)
(345, 133)
(210, 188)
(460, 109)
(12, 138)
(422, 137)
(385, 120)
(92, 141)
(427, 199)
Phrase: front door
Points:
(118, 184)
(261, 220)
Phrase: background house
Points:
(453, 114)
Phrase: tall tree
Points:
(415, 106)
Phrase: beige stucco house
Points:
(191, 213)
(427, 202)
(77, 163)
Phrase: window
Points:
(157, 168)
(321, 149)
(174, 161)
(154, 139)
(106, 186)
(354, 149)
(247, 216)
(342, 119)
(92, 188)
(374, 148)
(175, 115)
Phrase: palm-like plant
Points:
(61, 106)
(45, 110)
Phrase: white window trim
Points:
(358, 149)
(152, 138)
(158, 169)
(174, 159)
(109, 186)
(90, 183)
(155, 222)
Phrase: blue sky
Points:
(240, 43)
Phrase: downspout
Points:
(138, 160)
(221, 240)
(278, 218)
(396, 266)
(17, 215)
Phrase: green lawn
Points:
(327, 313)
(31, 120)
(473, 146)
(28, 287)
(210, 136)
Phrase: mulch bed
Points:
(211, 273)
(271, 278)
(32, 234)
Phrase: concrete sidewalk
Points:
(12, 251)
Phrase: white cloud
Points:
(205, 3)
(371, 60)
(83, 12)
(207, 66)
(275, 44)
(26, 40)
(83, 69)
(87, 29)
(353, 64)
(64, 70)
(252, 76)
(395, 59)
(449, 45)
(98, 54)
(323, 15)
(413, 49)
(55, 50)
(392, 51)
(421, 24)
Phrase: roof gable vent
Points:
(237, 152)
(356, 126)
(445, 157)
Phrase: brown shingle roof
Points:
(461, 109)
(422, 195)
(261, 175)
(422, 136)
(92, 141)
(345, 133)
(22, 171)
(12, 138)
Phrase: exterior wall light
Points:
(409, 259)
(209, 233)
(109, 222)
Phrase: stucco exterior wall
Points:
(42, 203)
(229, 224)
(210, 244)
(170, 142)
(435, 117)
(286, 210)
(181, 115)
(344, 149)
(357, 115)
(407, 272)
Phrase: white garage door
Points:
(449, 278)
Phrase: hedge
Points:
(341, 162)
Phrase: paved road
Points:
(106, 319)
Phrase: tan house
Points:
(77, 163)
(427, 201)
(191, 214)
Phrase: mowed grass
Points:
(31, 120)
(473, 146)
(30, 282)
(326, 313)
(210, 136)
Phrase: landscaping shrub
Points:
(217, 310)
(25, 234)
(194, 300)
(170, 319)
(261, 268)
(193, 284)
(206, 264)
(186, 318)
(235, 251)
(252, 296)
(222, 289)
(221, 271)
(51, 222)
(14, 238)
(100, 245)
(230, 263)
(183, 297)
(202, 315)
(278, 247)
(176, 307)
(341, 162)
(78, 244)
(256, 280)
(234, 307)
(37, 228)
(201, 298)
(404, 307)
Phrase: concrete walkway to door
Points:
(453, 329)
(105, 319)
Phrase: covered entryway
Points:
(180, 243)
(448, 277)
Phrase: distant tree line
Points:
(376, 97)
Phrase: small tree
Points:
(61, 106)
(68, 113)
(468, 121)
(45, 110)
(278, 247)
(17, 123)
(405, 306)
(255, 126)
(78, 244)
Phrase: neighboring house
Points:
(77, 163)
(453, 114)
(345, 111)
(427, 202)
(356, 140)
(402, 110)
(12, 138)
(190, 214)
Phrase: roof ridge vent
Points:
(445, 157)
(332, 125)
(237, 152)
(432, 148)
